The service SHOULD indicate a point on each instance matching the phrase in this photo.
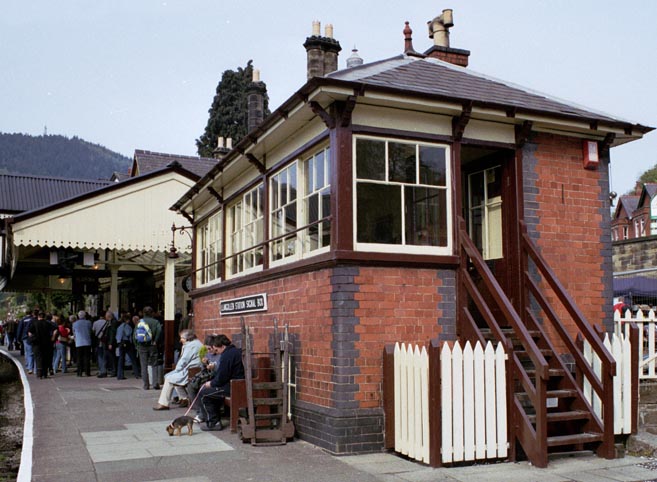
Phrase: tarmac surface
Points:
(103, 429)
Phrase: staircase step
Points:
(573, 439)
(267, 385)
(563, 416)
(552, 372)
(267, 401)
(546, 352)
(560, 393)
(267, 416)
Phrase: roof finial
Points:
(408, 39)
(408, 42)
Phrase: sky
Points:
(141, 74)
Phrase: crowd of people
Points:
(200, 379)
(52, 343)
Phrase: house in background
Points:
(411, 199)
(635, 215)
(621, 225)
(634, 236)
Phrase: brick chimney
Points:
(322, 52)
(255, 95)
(439, 32)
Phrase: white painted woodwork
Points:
(131, 216)
(620, 348)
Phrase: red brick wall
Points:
(388, 304)
(395, 305)
(570, 220)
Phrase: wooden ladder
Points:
(266, 420)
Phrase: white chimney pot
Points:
(317, 28)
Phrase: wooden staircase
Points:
(571, 424)
(265, 420)
(548, 411)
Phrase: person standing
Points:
(111, 346)
(26, 348)
(61, 343)
(126, 348)
(42, 344)
(10, 332)
(146, 335)
(101, 328)
(82, 333)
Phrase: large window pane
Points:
(433, 169)
(402, 163)
(379, 213)
(426, 219)
(370, 159)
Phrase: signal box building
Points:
(346, 212)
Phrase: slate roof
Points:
(436, 77)
(19, 193)
(651, 189)
(148, 161)
(626, 204)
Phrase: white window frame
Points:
(279, 210)
(243, 226)
(404, 248)
(209, 234)
(626, 232)
(488, 205)
(304, 192)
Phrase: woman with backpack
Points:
(146, 334)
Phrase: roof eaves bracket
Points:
(608, 140)
(319, 111)
(254, 160)
(349, 106)
(216, 195)
(459, 122)
(522, 133)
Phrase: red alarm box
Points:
(591, 157)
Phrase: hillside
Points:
(58, 156)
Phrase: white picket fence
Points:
(647, 339)
(620, 349)
(473, 402)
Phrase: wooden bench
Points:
(261, 373)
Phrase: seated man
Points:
(214, 391)
(177, 378)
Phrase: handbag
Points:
(200, 378)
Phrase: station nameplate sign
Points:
(247, 304)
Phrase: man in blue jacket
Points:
(214, 391)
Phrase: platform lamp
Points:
(173, 251)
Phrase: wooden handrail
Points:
(603, 387)
(540, 364)
(568, 303)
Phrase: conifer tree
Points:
(228, 113)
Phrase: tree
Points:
(229, 112)
(649, 176)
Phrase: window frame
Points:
(303, 194)
(242, 232)
(404, 248)
(202, 234)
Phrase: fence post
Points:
(435, 424)
(635, 349)
(389, 396)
